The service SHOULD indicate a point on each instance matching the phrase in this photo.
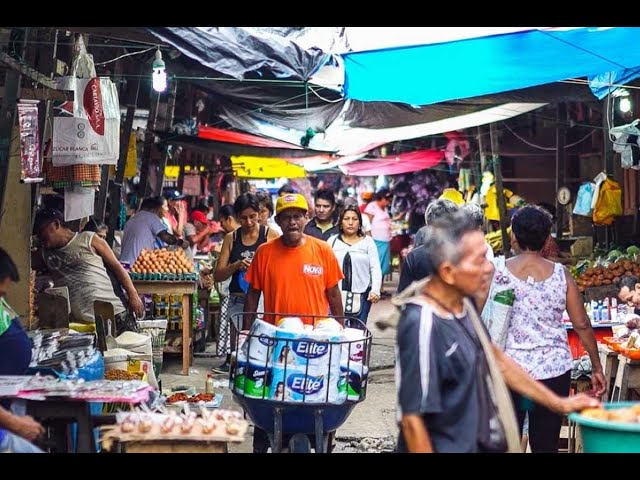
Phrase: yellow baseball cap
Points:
(291, 200)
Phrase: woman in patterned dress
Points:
(536, 335)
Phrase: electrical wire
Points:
(325, 99)
(548, 149)
(126, 55)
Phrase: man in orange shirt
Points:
(297, 274)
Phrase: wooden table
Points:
(185, 289)
(609, 362)
(627, 379)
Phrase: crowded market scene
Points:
(301, 240)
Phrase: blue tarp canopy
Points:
(440, 72)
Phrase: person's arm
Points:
(376, 272)
(415, 434)
(23, 426)
(406, 273)
(103, 249)
(335, 303)
(582, 326)
(169, 239)
(520, 381)
(223, 268)
(182, 218)
(250, 306)
(196, 238)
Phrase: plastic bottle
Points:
(613, 310)
(209, 384)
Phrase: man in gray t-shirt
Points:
(145, 230)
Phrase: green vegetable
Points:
(633, 250)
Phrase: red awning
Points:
(221, 135)
(402, 163)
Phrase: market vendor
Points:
(146, 231)
(176, 216)
(16, 432)
(629, 292)
(198, 232)
(77, 261)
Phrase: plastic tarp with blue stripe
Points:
(428, 74)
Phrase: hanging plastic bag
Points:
(584, 199)
(609, 205)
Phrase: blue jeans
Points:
(364, 310)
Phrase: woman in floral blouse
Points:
(536, 336)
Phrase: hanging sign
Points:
(29, 141)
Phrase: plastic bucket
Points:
(600, 436)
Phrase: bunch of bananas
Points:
(494, 239)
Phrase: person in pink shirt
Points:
(381, 227)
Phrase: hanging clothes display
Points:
(627, 143)
(584, 199)
(192, 184)
(609, 204)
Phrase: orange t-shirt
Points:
(294, 280)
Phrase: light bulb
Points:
(625, 105)
(159, 79)
(159, 75)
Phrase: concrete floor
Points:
(371, 426)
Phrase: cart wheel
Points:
(299, 443)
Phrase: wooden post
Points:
(502, 205)
(143, 187)
(7, 120)
(116, 186)
(561, 162)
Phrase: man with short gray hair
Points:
(416, 264)
(436, 209)
(452, 382)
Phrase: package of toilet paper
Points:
(353, 381)
(290, 323)
(354, 350)
(259, 346)
(308, 348)
(238, 374)
(298, 384)
(257, 380)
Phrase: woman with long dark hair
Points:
(238, 250)
(358, 256)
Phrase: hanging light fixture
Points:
(159, 73)
(624, 102)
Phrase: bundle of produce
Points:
(600, 275)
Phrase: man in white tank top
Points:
(77, 261)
